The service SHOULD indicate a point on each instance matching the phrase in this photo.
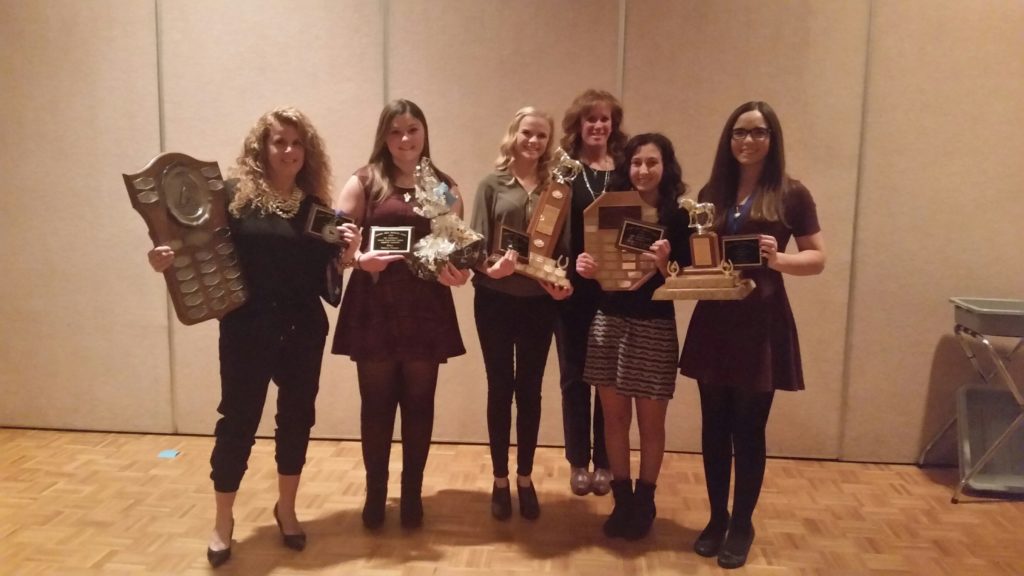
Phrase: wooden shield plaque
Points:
(184, 204)
(617, 269)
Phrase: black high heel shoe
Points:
(293, 541)
(218, 557)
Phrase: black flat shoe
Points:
(736, 547)
(710, 540)
(501, 502)
(218, 557)
(529, 508)
(293, 541)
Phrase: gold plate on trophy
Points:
(392, 239)
(184, 204)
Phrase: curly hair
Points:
(382, 165)
(671, 185)
(773, 184)
(572, 123)
(506, 153)
(314, 178)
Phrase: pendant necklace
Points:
(586, 181)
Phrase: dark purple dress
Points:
(399, 317)
(752, 343)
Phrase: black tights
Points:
(384, 386)
(733, 418)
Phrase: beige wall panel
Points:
(940, 210)
(688, 65)
(84, 341)
(226, 63)
(470, 65)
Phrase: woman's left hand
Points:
(452, 276)
(660, 251)
(769, 249)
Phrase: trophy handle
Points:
(562, 262)
(673, 268)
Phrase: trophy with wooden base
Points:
(184, 204)
(546, 225)
(710, 277)
(617, 228)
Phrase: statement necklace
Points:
(586, 181)
(285, 208)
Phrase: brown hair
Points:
(381, 165)
(773, 184)
(572, 123)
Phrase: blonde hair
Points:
(314, 178)
(506, 152)
(381, 165)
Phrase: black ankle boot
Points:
(412, 501)
(710, 540)
(736, 547)
(376, 498)
(618, 521)
(642, 516)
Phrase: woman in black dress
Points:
(279, 333)
(740, 352)
(397, 327)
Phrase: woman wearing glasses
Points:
(740, 352)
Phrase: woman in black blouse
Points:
(279, 333)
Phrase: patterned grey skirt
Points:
(635, 356)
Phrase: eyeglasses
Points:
(758, 134)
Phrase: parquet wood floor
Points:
(98, 503)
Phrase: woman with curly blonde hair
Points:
(279, 333)
(514, 313)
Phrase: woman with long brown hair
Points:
(397, 327)
(741, 352)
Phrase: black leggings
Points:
(734, 419)
(384, 386)
(515, 336)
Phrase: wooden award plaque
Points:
(547, 222)
(184, 204)
(618, 269)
